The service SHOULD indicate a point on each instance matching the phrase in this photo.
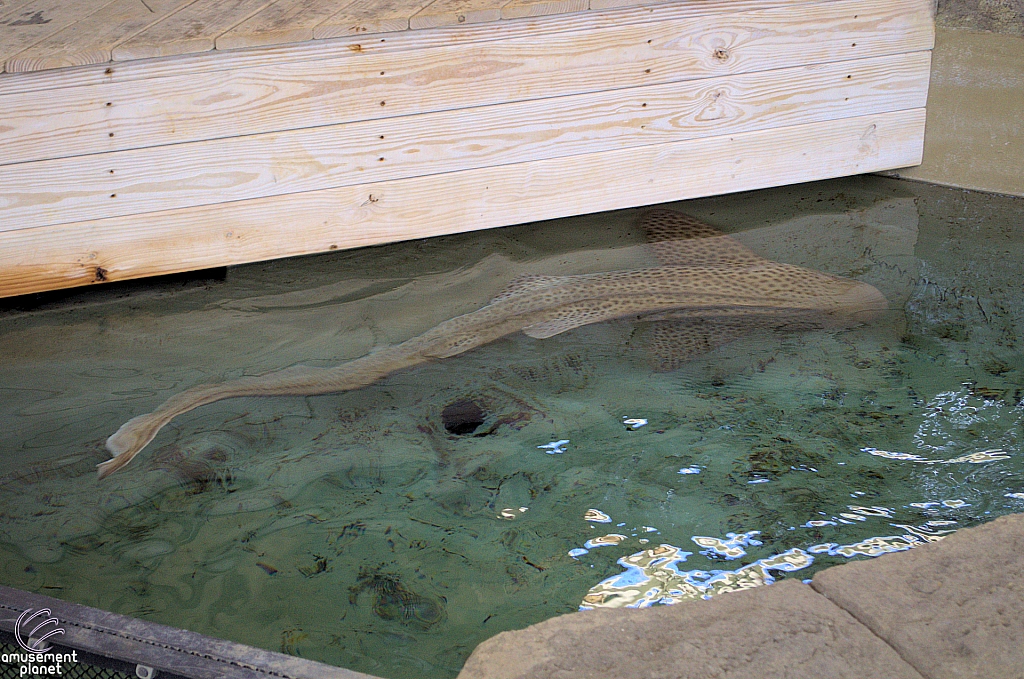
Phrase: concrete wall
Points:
(974, 135)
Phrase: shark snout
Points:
(861, 303)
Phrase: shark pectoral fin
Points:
(574, 316)
(550, 328)
(672, 343)
(453, 347)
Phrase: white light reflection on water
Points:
(654, 576)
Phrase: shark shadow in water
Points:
(708, 290)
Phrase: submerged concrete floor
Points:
(953, 609)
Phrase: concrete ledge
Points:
(954, 608)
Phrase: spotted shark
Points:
(707, 290)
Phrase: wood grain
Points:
(615, 4)
(28, 24)
(456, 12)
(194, 29)
(121, 248)
(193, 107)
(185, 175)
(8, 6)
(90, 40)
(283, 22)
(361, 46)
(370, 16)
(531, 8)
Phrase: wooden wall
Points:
(123, 170)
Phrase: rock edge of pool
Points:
(953, 608)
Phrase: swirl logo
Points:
(34, 641)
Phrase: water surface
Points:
(359, 530)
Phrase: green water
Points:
(355, 529)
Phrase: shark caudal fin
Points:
(127, 441)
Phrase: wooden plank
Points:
(283, 22)
(361, 46)
(91, 40)
(194, 29)
(121, 248)
(201, 173)
(8, 6)
(370, 16)
(456, 12)
(30, 23)
(533, 8)
(615, 4)
(189, 107)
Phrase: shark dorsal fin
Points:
(681, 240)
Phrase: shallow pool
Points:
(392, 528)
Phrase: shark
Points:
(706, 290)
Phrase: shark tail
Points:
(136, 433)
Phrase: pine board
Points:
(121, 248)
(202, 173)
(456, 12)
(360, 46)
(370, 16)
(194, 29)
(531, 8)
(194, 107)
(90, 40)
(283, 22)
(29, 24)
